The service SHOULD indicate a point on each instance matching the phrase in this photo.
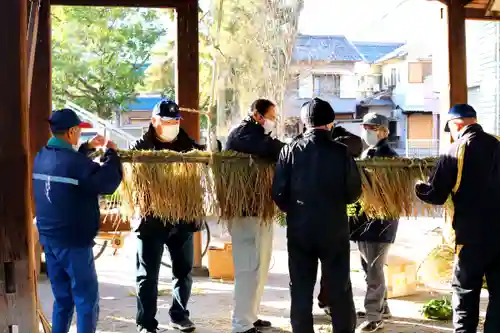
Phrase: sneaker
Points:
(385, 315)
(185, 325)
(371, 326)
(262, 324)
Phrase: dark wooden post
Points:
(17, 295)
(188, 87)
(40, 105)
(456, 52)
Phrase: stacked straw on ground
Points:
(187, 187)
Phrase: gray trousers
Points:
(373, 260)
(252, 250)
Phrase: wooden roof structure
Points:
(480, 9)
(26, 104)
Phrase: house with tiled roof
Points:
(397, 84)
(325, 66)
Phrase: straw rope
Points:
(189, 186)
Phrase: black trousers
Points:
(473, 262)
(303, 255)
(149, 253)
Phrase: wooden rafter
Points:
(121, 3)
(480, 14)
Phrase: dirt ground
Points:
(211, 302)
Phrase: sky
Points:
(375, 20)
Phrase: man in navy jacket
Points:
(66, 186)
(374, 236)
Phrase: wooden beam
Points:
(456, 53)
(17, 283)
(188, 90)
(41, 92)
(40, 105)
(480, 14)
(32, 37)
(122, 3)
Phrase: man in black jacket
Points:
(374, 236)
(469, 173)
(315, 179)
(153, 233)
(355, 147)
(251, 240)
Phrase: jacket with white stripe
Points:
(66, 186)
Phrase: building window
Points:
(418, 71)
(394, 77)
(326, 84)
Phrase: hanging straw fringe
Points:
(189, 186)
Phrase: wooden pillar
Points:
(188, 88)
(40, 105)
(41, 86)
(17, 293)
(456, 52)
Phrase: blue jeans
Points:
(150, 247)
(74, 282)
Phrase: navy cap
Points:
(460, 111)
(62, 120)
(375, 119)
(167, 109)
(317, 112)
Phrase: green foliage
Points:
(99, 54)
(438, 309)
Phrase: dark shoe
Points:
(262, 324)
(371, 326)
(252, 330)
(185, 325)
(148, 331)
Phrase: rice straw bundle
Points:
(180, 186)
(243, 187)
(171, 191)
(388, 192)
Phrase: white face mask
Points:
(169, 132)
(370, 137)
(269, 126)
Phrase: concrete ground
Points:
(211, 302)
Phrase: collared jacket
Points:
(183, 143)
(353, 142)
(374, 230)
(249, 137)
(66, 187)
(475, 219)
(316, 178)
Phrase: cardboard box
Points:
(400, 277)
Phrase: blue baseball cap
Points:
(62, 120)
(459, 111)
(167, 109)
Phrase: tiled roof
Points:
(143, 103)
(399, 52)
(324, 48)
(372, 51)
